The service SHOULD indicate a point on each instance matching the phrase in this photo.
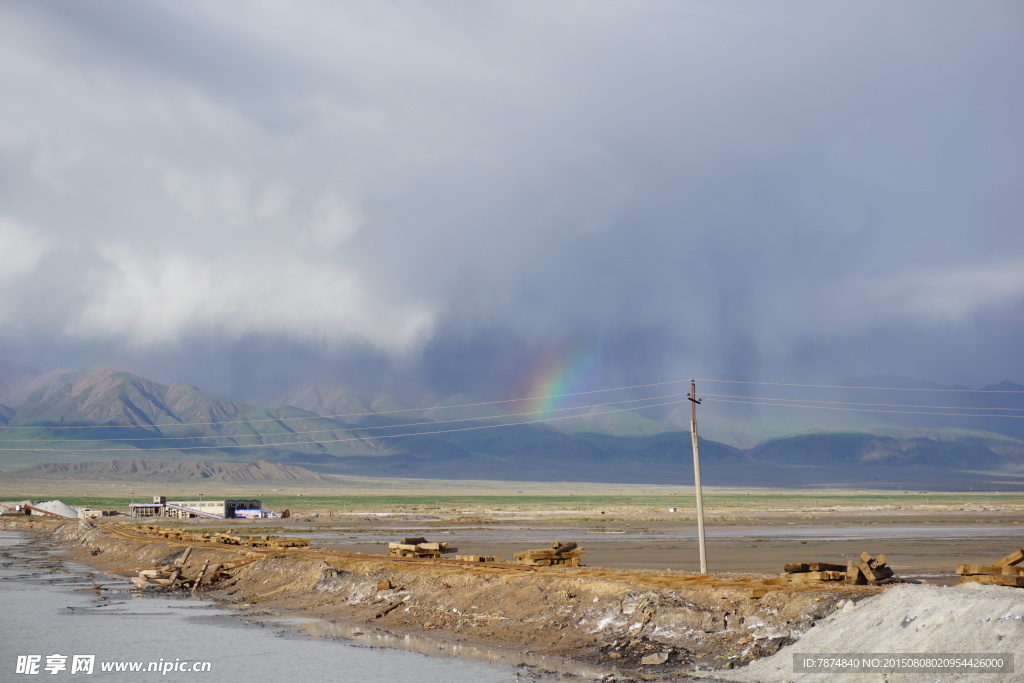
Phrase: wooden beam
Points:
(1010, 560)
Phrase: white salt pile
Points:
(58, 508)
(968, 618)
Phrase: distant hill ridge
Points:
(170, 470)
(121, 412)
(57, 420)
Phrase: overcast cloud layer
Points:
(236, 193)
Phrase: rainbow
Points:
(558, 372)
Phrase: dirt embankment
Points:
(610, 617)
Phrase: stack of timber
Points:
(803, 572)
(275, 542)
(272, 542)
(567, 554)
(420, 548)
(867, 569)
(863, 570)
(478, 558)
(1005, 572)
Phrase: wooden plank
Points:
(1013, 559)
(880, 561)
(987, 570)
(478, 558)
(199, 580)
(413, 540)
(853, 574)
(1017, 581)
(883, 572)
(797, 567)
(227, 565)
(387, 609)
(544, 557)
(403, 546)
(809, 577)
(876, 574)
(865, 571)
(865, 557)
(535, 555)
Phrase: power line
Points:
(369, 427)
(863, 410)
(382, 412)
(850, 403)
(324, 441)
(720, 398)
(833, 386)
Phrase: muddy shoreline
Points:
(612, 619)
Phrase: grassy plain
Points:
(309, 500)
(621, 526)
(411, 495)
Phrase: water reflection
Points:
(375, 637)
(51, 609)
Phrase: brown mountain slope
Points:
(170, 470)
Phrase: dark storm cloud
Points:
(453, 189)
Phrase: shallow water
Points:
(50, 609)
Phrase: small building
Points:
(217, 509)
(251, 514)
(14, 509)
(89, 513)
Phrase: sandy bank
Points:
(614, 618)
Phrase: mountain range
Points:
(57, 420)
(171, 471)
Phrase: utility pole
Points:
(696, 476)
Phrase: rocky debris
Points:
(182, 575)
(655, 659)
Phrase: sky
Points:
(469, 195)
